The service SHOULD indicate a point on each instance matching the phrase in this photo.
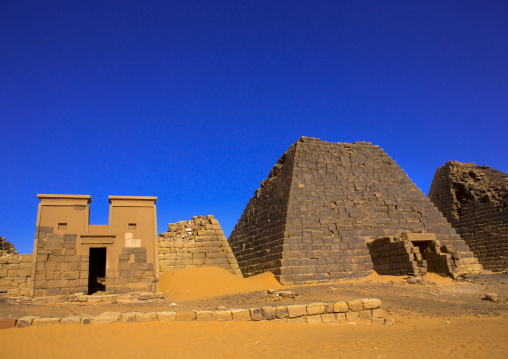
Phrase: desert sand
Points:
(198, 283)
(438, 318)
(416, 338)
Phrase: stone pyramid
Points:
(474, 199)
(199, 242)
(323, 202)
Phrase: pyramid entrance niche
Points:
(410, 254)
(311, 219)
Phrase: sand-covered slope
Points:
(204, 282)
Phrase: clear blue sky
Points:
(195, 101)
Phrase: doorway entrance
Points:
(97, 270)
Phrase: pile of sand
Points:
(204, 282)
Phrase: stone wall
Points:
(6, 248)
(59, 269)
(474, 199)
(310, 219)
(365, 310)
(199, 242)
(15, 274)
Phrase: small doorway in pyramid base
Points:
(410, 254)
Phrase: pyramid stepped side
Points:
(474, 199)
(334, 197)
(199, 242)
(258, 237)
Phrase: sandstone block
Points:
(355, 305)
(340, 307)
(71, 320)
(223, 315)
(365, 314)
(146, 317)
(255, 314)
(371, 303)
(25, 321)
(268, 313)
(7, 323)
(186, 316)
(297, 310)
(205, 316)
(128, 317)
(282, 312)
(107, 318)
(328, 318)
(45, 321)
(166, 316)
(352, 316)
(340, 317)
(241, 314)
(315, 308)
(377, 313)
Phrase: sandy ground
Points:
(437, 318)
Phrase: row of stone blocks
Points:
(337, 312)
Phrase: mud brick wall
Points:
(474, 199)
(309, 219)
(59, 270)
(15, 274)
(199, 242)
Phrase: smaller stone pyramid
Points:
(199, 242)
(474, 199)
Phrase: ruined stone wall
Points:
(330, 197)
(199, 242)
(15, 274)
(6, 248)
(412, 254)
(474, 199)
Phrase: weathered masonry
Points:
(474, 199)
(323, 202)
(72, 256)
(199, 242)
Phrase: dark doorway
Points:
(97, 270)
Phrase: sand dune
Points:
(205, 282)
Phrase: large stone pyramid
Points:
(323, 202)
(474, 199)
